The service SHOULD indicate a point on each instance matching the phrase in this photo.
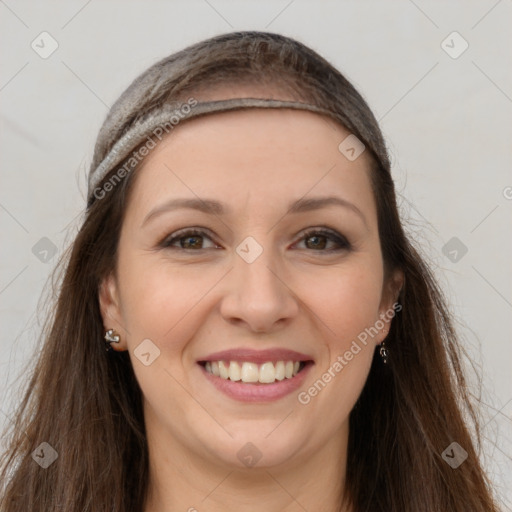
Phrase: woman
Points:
(274, 342)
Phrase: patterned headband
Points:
(158, 124)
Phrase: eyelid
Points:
(331, 234)
(182, 233)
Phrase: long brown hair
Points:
(87, 404)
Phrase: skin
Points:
(294, 295)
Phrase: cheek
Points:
(348, 307)
(172, 303)
(162, 303)
(346, 300)
(161, 300)
(347, 304)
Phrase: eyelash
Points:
(191, 232)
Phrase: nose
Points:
(259, 294)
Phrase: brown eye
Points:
(191, 242)
(318, 240)
(188, 239)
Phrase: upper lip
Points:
(256, 356)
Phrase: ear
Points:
(391, 290)
(108, 296)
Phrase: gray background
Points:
(446, 121)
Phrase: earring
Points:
(111, 337)
(384, 353)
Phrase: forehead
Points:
(269, 155)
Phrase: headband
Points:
(160, 122)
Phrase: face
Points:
(267, 273)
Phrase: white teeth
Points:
(267, 373)
(246, 371)
(234, 371)
(280, 370)
(250, 372)
(223, 370)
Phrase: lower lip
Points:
(257, 392)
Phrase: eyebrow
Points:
(214, 207)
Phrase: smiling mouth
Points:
(253, 373)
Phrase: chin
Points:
(254, 447)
